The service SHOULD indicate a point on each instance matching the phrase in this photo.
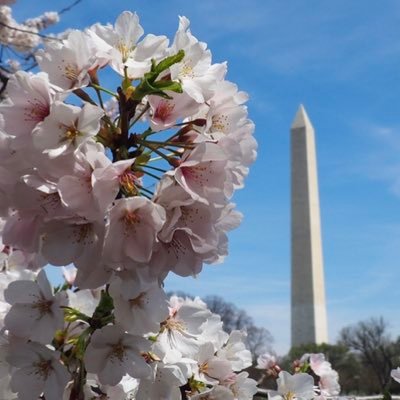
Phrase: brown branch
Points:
(68, 8)
(4, 80)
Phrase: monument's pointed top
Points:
(301, 119)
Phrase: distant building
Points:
(309, 321)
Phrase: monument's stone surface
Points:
(309, 321)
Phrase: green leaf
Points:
(168, 62)
(305, 367)
(149, 85)
(169, 85)
(105, 307)
(143, 89)
(81, 344)
(143, 159)
(157, 88)
(72, 315)
(386, 395)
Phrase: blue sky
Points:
(341, 60)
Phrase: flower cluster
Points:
(23, 36)
(327, 379)
(126, 185)
(162, 200)
(141, 347)
(313, 378)
(20, 40)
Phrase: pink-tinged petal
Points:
(21, 318)
(137, 244)
(150, 46)
(66, 128)
(138, 368)
(218, 368)
(21, 292)
(179, 256)
(43, 330)
(38, 183)
(91, 274)
(27, 383)
(18, 356)
(112, 372)
(166, 112)
(56, 382)
(44, 285)
(75, 192)
(65, 242)
(105, 184)
(108, 334)
(134, 224)
(30, 97)
(95, 359)
(89, 119)
(128, 28)
(68, 63)
(22, 231)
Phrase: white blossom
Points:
(35, 311)
(112, 353)
(299, 386)
(38, 370)
(395, 374)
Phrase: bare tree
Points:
(19, 41)
(259, 339)
(372, 342)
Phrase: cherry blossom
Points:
(67, 128)
(30, 96)
(166, 112)
(395, 374)
(328, 378)
(202, 172)
(196, 73)
(181, 329)
(211, 368)
(241, 386)
(119, 45)
(134, 224)
(266, 361)
(235, 351)
(298, 386)
(68, 64)
(217, 392)
(140, 304)
(112, 353)
(77, 190)
(35, 312)
(38, 371)
(165, 383)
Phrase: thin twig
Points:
(151, 167)
(62, 11)
(140, 115)
(13, 28)
(152, 175)
(68, 8)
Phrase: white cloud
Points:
(381, 161)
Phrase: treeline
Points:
(363, 356)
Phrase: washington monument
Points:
(309, 321)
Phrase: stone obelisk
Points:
(309, 321)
